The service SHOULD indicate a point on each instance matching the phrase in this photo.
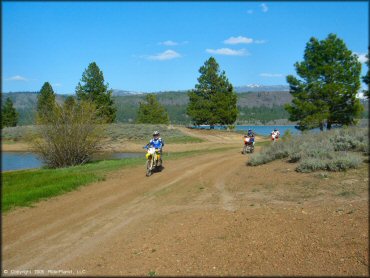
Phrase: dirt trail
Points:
(203, 215)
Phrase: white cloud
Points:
(167, 55)
(361, 57)
(237, 40)
(228, 52)
(168, 43)
(249, 11)
(271, 75)
(17, 78)
(172, 43)
(264, 7)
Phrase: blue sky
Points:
(148, 47)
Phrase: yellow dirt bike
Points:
(153, 160)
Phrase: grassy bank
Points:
(144, 132)
(25, 187)
(114, 132)
(335, 150)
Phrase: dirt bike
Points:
(248, 145)
(274, 137)
(154, 160)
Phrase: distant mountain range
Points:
(261, 88)
(256, 103)
(238, 89)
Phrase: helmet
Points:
(275, 129)
(155, 133)
(249, 130)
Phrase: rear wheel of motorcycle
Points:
(244, 150)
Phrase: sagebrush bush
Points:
(338, 162)
(311, 164)
(140, 131)
(275, 151)
(330, 150)
(17, 133)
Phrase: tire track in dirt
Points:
(63, 236)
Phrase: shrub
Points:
(141, 131)
(69, 135)
(287, 135)
(343, 161)
(310, 165)
(339, 162)
(275, 151)
(17, 133)
(325, 150)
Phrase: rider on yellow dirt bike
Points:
(156, 143)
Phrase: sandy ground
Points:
(204, 215)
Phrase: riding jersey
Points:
(275, 134)
(158, 144)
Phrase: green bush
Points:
(68, 135)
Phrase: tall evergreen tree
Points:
(366, 78)
(9, 116)
(93, 88)
(213, 101)
(326, 92)
(152, 112)
(45, 100)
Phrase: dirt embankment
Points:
(204, 215)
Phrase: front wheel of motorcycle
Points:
(149, 167)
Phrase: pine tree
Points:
(326, 92)
(45, 101)
(151, 111)
(213, 101)
(9, 116)
(92, 88)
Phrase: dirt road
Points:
(204, 215)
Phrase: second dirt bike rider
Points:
(250, 136)
(275, 135)
(157, 143)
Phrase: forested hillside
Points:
(254, 107)
(25, 103)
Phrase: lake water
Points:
(25, 160)
(260, 130)
(266, 130)
(19, 160)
